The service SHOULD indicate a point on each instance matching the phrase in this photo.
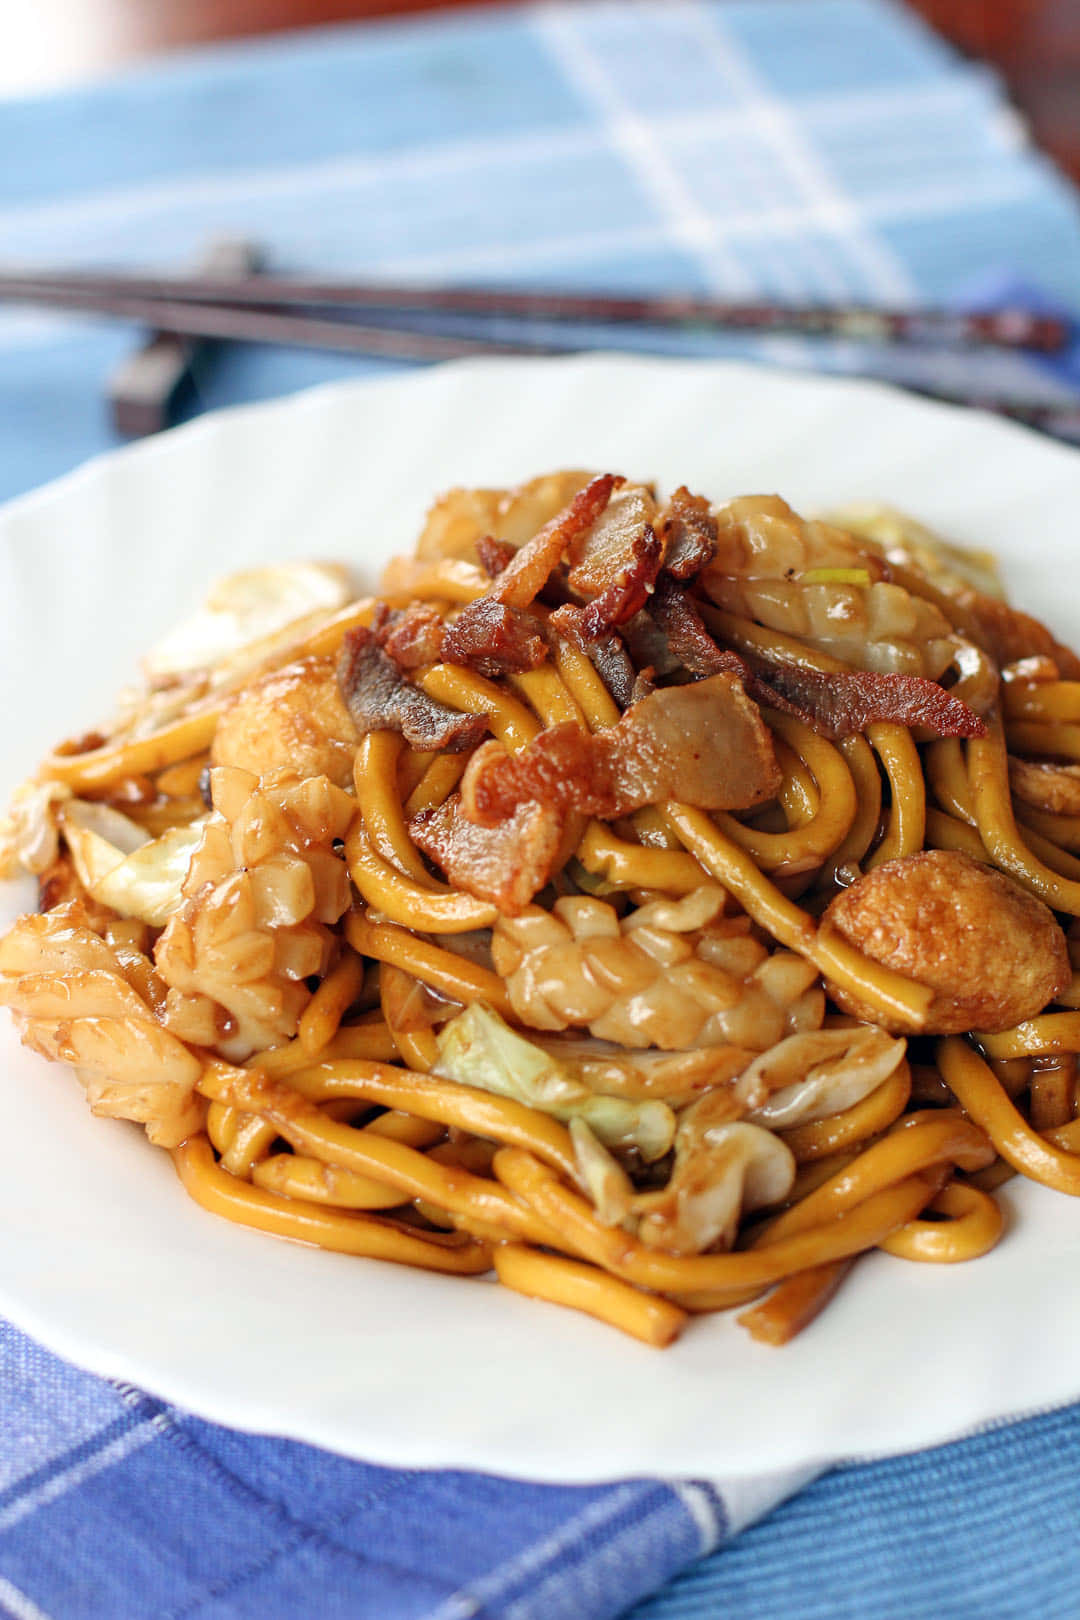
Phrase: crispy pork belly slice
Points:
(605, 548)
(687, 531)
(705, 744)
(625, 594)
(506, 864)
(379, 698)
(494, 618)
(841, 704)
(494, 639)
(411, 638)
(493, 555)
(688, 642)
(607, 654)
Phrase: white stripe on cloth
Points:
(67, 1479)
(690, 226)
(777, 125)
(20, 330)
(17, 1604)
(699, 1504)
(469, 1601)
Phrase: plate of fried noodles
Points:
(540, 923)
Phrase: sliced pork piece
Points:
(379, 698)
(494, 555)
(600, 551)
(705, 744)
(626, 592)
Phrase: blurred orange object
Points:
(1036, 45)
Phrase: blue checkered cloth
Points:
(834, 152)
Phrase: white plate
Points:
(102, 1255)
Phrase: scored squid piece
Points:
(829, 588)
(76, 998)
(669, 976)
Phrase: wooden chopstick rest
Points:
(143, 388)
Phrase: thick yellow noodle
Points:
(337, 1130)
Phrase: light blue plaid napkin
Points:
(833, 151)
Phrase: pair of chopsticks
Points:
(317, 314)
(377, 319)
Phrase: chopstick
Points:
(293, 299)
(319, 314)
(229, 322)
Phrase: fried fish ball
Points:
(993, 953)
(291, 719)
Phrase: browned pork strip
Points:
(379, 698)
(625, 594)
(507, 864)
(614, 666)
(834, 704)
(606, 653)
(527, 571)
(706, 744)
(839, 704)
(689, 643)
(526, 574)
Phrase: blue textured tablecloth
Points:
(830, 151)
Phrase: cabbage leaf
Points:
(477, 1048)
